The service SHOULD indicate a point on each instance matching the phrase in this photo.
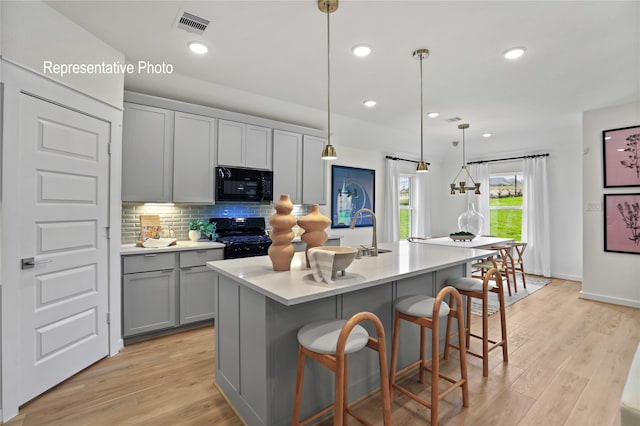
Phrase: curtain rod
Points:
(404, 159)
(507, 159)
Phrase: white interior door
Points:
(64, 182)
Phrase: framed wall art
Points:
(621, 157)
(352, 189)
(622, 223)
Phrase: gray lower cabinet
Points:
(167, 290)
(149, 301)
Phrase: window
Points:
(406, 209)
(505, 205)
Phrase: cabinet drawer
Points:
(149, 262)
(199, 257)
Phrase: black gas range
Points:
(242, 236)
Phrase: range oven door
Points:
(234, 184)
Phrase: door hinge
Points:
(107, 231)
(108, 317)
(108, 149)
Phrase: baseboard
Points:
(609, 299)
(566, 277)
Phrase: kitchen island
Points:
(259, 312)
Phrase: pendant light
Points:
(422, 166)
(328, 6)
(463, 188)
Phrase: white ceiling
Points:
(580, 56)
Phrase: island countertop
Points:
(298, 285)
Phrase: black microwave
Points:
(235, 184)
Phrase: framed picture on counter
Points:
(352, 189)
(622, 223)
(621, 157)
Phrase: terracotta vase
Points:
(281, 250)
(314, 225)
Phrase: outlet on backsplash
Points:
(177, 217)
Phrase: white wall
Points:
(608, 277)
(33, 32)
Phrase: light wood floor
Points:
(568, 364)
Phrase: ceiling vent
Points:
(192, 23)
(453, 119)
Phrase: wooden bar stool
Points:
(503, 263)
(518, 260)
(425, 311)
(328, 342)
(479, 289)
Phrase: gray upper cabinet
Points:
(287, 165)
(147, 153)
(244, 145)
(194, 158)
(314, 171)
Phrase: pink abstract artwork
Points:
(622, 223)
(621, 151)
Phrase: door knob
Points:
(30, 262)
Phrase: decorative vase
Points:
(314, 225)
(194, 235)
(281, 250)
(471, 220)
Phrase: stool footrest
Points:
(412, 395)
(317, 415)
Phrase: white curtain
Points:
(535, 217)
(391, 229)
(421, 226)
(480, 172)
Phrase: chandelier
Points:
(462, 188)
(328, 6)
(422, 166)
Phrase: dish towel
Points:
(159, 242)
(321, 262)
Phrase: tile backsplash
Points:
(177, 217)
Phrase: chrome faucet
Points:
(374, 241)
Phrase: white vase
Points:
(194, 235)
(471, 220)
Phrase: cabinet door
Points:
(194, 158)
(231, 143)
(258, 147)
(197, 294)
(147, 153)
(314, 171)
(148, 301)
(287, 165)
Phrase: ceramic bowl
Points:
(455, 237)
(342, 259)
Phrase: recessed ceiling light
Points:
(197, 47)
(514, 52)
(606, 138)
(361, 50)
(370, 103)
(433, 114)
(486, 135)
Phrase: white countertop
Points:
(477, 242)
(129, 249)
(298, 286)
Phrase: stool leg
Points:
(503, 325)
(463, 359)
(298, 397)
(345, 397)
(485, 335)
(384, 383)
(338, 412)
(394, 354)
(435, 371)
(524, 281)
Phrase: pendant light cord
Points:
(421, 115)
(464, 164)
(328, 78)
